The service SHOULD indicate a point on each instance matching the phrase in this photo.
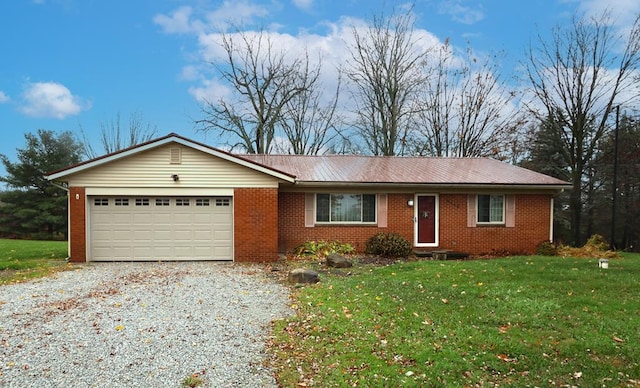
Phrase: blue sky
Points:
(72, 63)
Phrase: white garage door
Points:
(160, 228)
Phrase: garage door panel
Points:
(178, 231)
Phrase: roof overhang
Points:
(171, 138)
(475, 186)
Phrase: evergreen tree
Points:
(33, 207)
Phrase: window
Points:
(223, 202)
(122, 202)
(162, 202)
(346, 208)
(491, 209)
(101, 202)
(182, 202)
(202, 202)
(142, 201)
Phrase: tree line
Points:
(406, 97)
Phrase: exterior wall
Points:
(532, 212)
(256, 224)
(152, 169)
(77, 225)
(292, 231)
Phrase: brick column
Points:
(255, 224)
(77, 225)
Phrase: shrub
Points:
(388, 245)
(546, 248)
(319, 249)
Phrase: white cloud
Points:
(3, 97)
(209, 91)
(178, 22)
(330, 47)
(50, 99)
(228, 14)
(461, 13)
(304, 5)
(235, 14)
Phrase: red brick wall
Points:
(292, 231)
(532, 225)
(255, 224)
(532, 214)
(77, 225)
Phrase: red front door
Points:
(426, 219)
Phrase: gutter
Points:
(559, 187)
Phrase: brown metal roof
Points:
(403, 170)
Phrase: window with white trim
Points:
(121, 201)
(490, 209)
(345, 208)
(142, 201)
(182, 201)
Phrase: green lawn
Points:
(521, 321)
(26, 259)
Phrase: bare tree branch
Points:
(577, 79)
(386, 69)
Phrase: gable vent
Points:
(175, 156)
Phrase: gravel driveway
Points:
(139, 325)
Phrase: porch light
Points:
(175, 177)
(410, 202)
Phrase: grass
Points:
(27, 259)
(520, 321)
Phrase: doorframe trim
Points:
(437, 221)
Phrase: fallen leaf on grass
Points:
(618, 339)
(506, 358)
(445, 301)
(504, 328)
(119, 327)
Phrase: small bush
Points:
(546, 248)
(319, 249)
(388, 245)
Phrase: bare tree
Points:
(577, 78)
(467, 109)
(309, 123)
(113, 137)
(264, 81)
(386, 69)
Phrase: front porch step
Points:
(441, 254)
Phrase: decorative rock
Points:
(301, 275)
(337, 261)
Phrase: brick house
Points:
(176, 199)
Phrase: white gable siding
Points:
(153, 168)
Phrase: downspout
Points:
(551, 222)
(68, 219)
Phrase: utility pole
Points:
(615, 181)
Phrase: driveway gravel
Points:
(140, 325)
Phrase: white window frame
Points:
(504, 205)
(330, 222)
